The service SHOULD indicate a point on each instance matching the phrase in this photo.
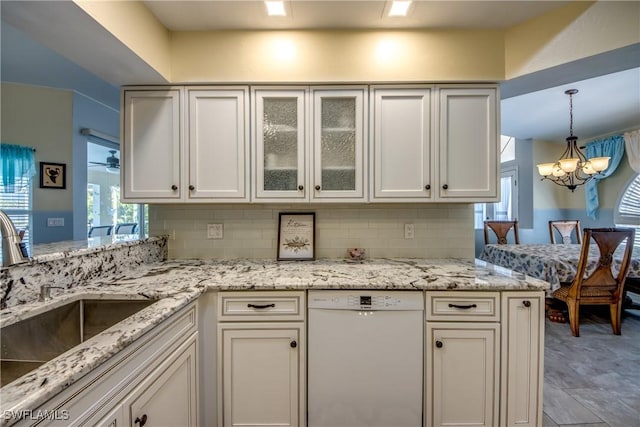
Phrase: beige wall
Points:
(136, 27)
(337, 56)
(41, 118)
(578, 30)
(250, 231)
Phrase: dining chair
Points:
(501, 230)
(565, 228)
(100, 230)
(600, 287)
(126, 228)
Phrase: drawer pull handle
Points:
(142, 421)
(261, 305)
(439, 344)
(464, 307)
(293, 344)
(300, 187)
(526, 303)
(174, 187)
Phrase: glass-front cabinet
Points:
(338, 130)
(281, 144)
(309, 144)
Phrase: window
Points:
(507, 207)
(16, 171)
(627, 212)
(103, 189)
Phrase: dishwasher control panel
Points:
(366, 300)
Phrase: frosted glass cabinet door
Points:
(280, 136)
(338, 144)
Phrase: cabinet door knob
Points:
(444, 187)
(526, 303)
(427, 187)
(174, 187)
(142, 421)
(318, 187)
(300, 187)
(439, 344)
(191, 188)
(293, 344)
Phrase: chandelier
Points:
(573, 168)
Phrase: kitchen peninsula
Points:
(507, 303)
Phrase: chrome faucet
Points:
(14, 250)
(45, 292)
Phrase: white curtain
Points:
(632, 146)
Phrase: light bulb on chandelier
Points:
(573, 168)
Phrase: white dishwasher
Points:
(365, 358)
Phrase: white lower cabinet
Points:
(261, 364)
(462, 373)
(522, 351)
(152, 382)
(484, 358)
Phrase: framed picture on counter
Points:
(53, 175)
(296, 236)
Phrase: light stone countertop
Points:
(178, 282)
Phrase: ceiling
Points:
(354, 14)
(533, 106)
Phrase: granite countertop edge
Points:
(176, 283)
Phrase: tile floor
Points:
(593, 380)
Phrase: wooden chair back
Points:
(565, 228)
(602, 286)
(501, 230)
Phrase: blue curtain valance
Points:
(613, 147)
(17, 163)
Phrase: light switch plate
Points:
(215, 231)
(55, 222)
(408, 231)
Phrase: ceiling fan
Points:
(112, 163)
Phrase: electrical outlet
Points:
(55, 222)
(215, 231)
(408, 231)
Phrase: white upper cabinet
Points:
(434, 143)
(309, 144)
(218, 146)
(401, 144)
(338, 144)
(468, 144)
(281, 144)
(425, 143)
(198, 152)
(152, 144)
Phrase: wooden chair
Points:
(600, 287)
(565, 228)
(100, 230)
(501, 230)
(126, 228)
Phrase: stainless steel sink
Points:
(29, 343)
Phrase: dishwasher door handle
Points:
(259, 306)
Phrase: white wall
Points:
(250, 231)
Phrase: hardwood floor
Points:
(592, 380)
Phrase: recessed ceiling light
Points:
(275, 8)
(399, 8)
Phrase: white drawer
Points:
(463, 306)
(261, 306)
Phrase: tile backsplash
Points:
(250, 231)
